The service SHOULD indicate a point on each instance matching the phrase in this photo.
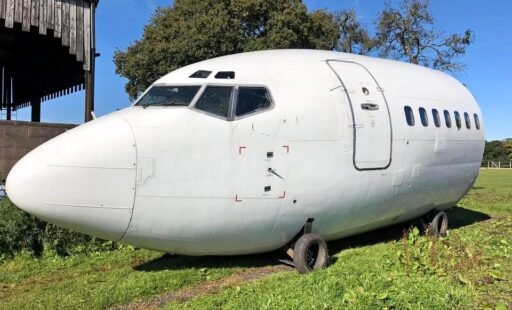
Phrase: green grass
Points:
(471, 268)
(102, 279)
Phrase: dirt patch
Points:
(206, 288)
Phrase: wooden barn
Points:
(47, 50)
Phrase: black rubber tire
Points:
(310, 253)
(439, 225)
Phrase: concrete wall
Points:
(18, 138)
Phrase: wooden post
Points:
(36, 109)
(89, 74)
(8, 92)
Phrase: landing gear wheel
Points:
(310, 252)
(439, 225)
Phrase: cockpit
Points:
(228, 102)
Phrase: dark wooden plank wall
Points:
(69, 20)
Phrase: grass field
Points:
(471, 268)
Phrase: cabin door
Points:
(370, 115)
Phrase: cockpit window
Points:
(252, 99)
(169, 96)
(225, 75)
(201, 74)
(216, 100)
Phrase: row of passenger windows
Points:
(217, 100)
(409, 117)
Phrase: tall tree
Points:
(408, 33)
(194, 30)
(496, 151)
(354, 37)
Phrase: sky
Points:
(488, 72)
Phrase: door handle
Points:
(370, 106)
(275, 173)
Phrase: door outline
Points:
(328, 61)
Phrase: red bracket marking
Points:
(287, 147)
(240, 149)
(284, 195)
(237, 200)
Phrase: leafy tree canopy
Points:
(408, 33)
(498, 151)
(194, 30)
(354, 37)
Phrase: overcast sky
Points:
(488, 74)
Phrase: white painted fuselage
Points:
(334, 145)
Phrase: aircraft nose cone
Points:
(83, 180)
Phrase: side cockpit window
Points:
(216, 100)
(409, 115)
(252, 99)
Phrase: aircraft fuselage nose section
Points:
(83, 180)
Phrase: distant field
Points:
(471, 268)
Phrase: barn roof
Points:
(46, 46)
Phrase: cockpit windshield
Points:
(169, 96)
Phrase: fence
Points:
(497, 164)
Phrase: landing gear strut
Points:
(439, 225)
(309, 251)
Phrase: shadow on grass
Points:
(179, 262)
(477, 187)
(458, 217)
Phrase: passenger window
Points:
(468, 120)
(409, 115)
(458, 122)
(423, 117)
(437, 119)
(447, 119)
(215, 100)
(252, 99)
(477, 121)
